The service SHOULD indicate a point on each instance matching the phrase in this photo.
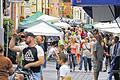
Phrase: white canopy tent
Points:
(109, 27)
(113, 30)
(47, 18)
(44, 29)
(62, 25)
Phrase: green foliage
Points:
(7, 23)
(69, 16)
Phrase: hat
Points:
(95, 31)
(30, 34)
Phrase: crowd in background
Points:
(94, 48)
(88, 50)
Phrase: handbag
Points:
(87, 48)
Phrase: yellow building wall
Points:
(54, 8)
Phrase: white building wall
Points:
(79, 13)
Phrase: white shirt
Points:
(64, 70)
(118, 50)
(52, 50)
(86, 52)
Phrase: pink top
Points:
(73, 49)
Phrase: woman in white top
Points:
(86, 54)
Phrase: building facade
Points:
(54, 8)
(79, 13)
(60, 8)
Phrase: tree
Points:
(8, 26)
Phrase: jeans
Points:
(44, 65)
(72, 59)
(37, 76)
(86, 60)
(89, 64)
(58, 74)
(116, 67)
(83, 58)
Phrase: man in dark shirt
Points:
(33, 54)
(116, 57)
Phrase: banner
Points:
(95, 2)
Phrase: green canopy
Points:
(31, 18)
(31, 24)
(88, 26)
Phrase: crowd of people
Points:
(94, 49)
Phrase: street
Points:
(49, 73)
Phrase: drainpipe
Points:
(1, 13)
(1, 24)
(36, 5)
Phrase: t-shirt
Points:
(42, 45)
(74, 48)
(52, 50)
(5, 65)
(87, 50)
(64, 70)
(19, 54)
(99, 50)
(31, 54)
(118, 50)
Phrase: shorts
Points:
(97, 66)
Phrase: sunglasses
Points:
(22, 36)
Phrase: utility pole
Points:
(45, 7)
(42, 5)
(1, 23)
(14, 12)
(36, 5)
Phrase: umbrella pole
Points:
(113, 16)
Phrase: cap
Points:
(95, 31)
(29, 34)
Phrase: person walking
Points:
(73, 54)
(39, 42)
(86, 55)
(97, 54)
(116, 56)
(21, 42)
(33, 54)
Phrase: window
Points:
(80, 14)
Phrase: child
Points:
(64, 69)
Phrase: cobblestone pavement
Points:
(49, 73)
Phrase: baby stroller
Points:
(27, 73)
